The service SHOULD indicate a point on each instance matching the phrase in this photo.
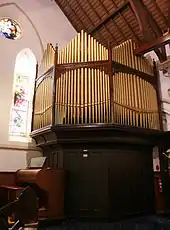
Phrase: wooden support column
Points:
(33, 102)
(56, 74)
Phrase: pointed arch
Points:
(23, 89)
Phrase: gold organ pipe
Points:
(127, 99)
(101, 85)
(152, 97)
(117, 94)
(82, 78)
(125, 60)
(38, 107)
(104, 90)
(139, 101)
(118, 98)
(89, 81)
(71, 48)
(124, 93)
(121, 98)
(152, 103)
(60, 88)
(64, 58)
(148, 114)
(42, 105)
(132, 100)
(40, 102)
(149, 109)
(98, 85)
(69, 87)
(145, 103)
(78, 80)
(50, 100)
(46, 101)
(85, 80)
(75, 81)
(93, 81)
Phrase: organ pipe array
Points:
(76, 86)
(135, 98)
(43, 91)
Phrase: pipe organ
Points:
(76, 86)
(135, 98)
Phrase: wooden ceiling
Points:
(115, 21)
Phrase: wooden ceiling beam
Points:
(144, 20)
(111, 16)
(156, 44)
(169, 17)
(99, 17)
(146, 23)
(160, 12)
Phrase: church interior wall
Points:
(41, 22)
(164, 86)
(165, 102)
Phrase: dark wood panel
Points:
(109, 181)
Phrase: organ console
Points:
(48, 183)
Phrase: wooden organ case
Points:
(97, 110)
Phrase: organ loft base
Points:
(110, 173)
(97, 114)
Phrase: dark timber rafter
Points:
(146, 23)
(111, 16)
(156, 44)
(169, 17)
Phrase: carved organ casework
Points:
(96, 114)
(86, 83)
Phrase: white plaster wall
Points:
(41, 22)
(165, 85)
(14, 159)
(165, 98)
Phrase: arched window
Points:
(23, 89)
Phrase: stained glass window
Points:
(10, 29)
(21, 111)
(20, 106)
